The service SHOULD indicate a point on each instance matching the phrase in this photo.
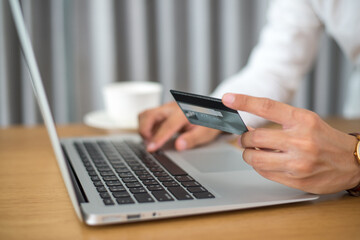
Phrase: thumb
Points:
(194, 137)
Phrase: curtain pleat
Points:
(58, 59)
(201, 50)
(29, 109)
(166, 44)
(138, 40)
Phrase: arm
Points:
(285, 52)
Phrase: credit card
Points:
(209, 112)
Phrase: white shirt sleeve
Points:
(286, 50)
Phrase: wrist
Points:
(355, 191)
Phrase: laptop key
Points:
(117, 164)
(161, 174)
(138, 168)
(95, 178)
(113, 183)
(129, 179)
(90, 168)
(101, 189)
(155, 188)
(180, 193)
(121, 194)
(165, 179)
(122, 170)
(132, 161)
(124, 175)
(146, 177)
(191, 184)
(103, 169)
(134, 165)
(98, 183)
(186, 178)
(196, 189)
(106, 173)
(92, 173)
(143, 197)
(171, 184)
(162, 196)
(117, 189)
(110, 178)
(137, 190)
(156, 169)
(127, 200)
(133, 185)
(108, 201)
(87, 163)
(142, 172)
(150, 182)
(151, 165)
(100, 164)
(105, 195)
(203, 195)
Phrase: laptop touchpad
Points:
(216, 160)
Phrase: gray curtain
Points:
(188, 45)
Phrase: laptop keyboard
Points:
(124, 173)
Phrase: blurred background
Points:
(189, 45)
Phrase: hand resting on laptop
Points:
(158, 125)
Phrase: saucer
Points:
(100, 119)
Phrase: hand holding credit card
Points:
(209, 112)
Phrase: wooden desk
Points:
(34, 203)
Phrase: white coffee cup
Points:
(125, 100)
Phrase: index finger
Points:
(264, 107)
(166, 130)
(148, 120)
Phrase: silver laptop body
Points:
(213, 178)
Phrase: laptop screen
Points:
(41, 97)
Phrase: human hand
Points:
(306, 153)
(158, 125)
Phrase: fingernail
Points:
(151, 146)
(228, 98)
(181, 144)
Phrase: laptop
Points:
(112, 179)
